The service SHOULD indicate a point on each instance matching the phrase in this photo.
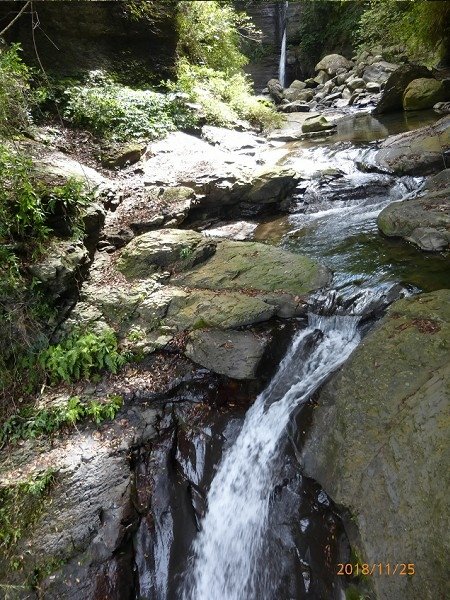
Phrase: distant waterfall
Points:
(283, 28)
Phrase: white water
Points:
(226, 552)
(282, 67)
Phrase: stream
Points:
(233, 517)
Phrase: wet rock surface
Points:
(423, 221)
(377, 443)
(419, 152)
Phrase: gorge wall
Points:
(71, 38)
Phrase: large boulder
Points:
(255, 267)
(425, 220)
(332, 63)
(317, 123)
(168, 283)
(226, 182)
(419, 152)
(379, 445)
(275, 91)
(378, 72)
(392, 97)
(235, 354)
(425, 93)
(164, 249)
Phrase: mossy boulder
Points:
(425, 93)
(207, 308)
(256, 267)
(164, 249)
(379, 444)
(392, 97)
(116, 156)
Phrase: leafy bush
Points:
(33, 422)
(208, 35)
(22, 215)
(14, 88)
(209, 68)
(225, 99)
(82, 355)
(118, 112)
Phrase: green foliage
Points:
(120, 113)
(210, 62)
(225, 99)
(326, 27)
(27, 207)
(421, 26)
(22, 215)
(185, 252)
(208, 35)
(32, 422)
(14, 89)
(81, 356)
(20, 505)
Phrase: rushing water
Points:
(236, 552)
(227, 550)
(283, 28)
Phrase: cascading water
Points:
(283, 28)
(227, 553)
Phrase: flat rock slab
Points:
(207, 308)
(424, 221)
(255, 266)
(418, 152)
(235, 354)
(379, 444)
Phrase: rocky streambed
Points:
(212, 258)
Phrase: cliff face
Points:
(268, 18)
(73, 37)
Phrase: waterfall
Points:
(227, 559)
(283, 28)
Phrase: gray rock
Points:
(294, 107)
(321, 78)
(235, 354)
(424, 221)
(60, 271)
(442, 107)
(356, 83)
(418, 152)
(379, 72)
(275, 91)
(379, 441)
(332, 63)
(318, 123)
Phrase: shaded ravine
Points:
(239, 487)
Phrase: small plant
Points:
(32, 422)
(21, 504)
(14, 91)
(185, 252)
(81, 356)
